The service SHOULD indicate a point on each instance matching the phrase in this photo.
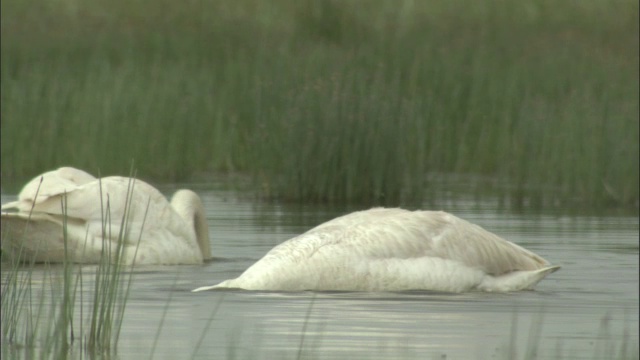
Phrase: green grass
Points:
(42, 325)
(336, 101)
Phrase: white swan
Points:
(169, 233)
(393, 249)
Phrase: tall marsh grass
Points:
(330, 100)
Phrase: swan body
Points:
(385, 249)
(100, 214)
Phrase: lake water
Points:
(579, 312)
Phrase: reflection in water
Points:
(590, 302)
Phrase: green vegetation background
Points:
(360, 100)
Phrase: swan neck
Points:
(189, 206)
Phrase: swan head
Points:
(189, 206)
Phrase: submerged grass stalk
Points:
(304, 327)
(162, 318)
(214, 311)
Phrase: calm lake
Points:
(579, 312)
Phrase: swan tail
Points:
(11, 207)
(204, 288)
(223, 285)
(213, 287)
(517, 280)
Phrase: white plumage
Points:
(168, 233)
(391, 250)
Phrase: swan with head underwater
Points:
(384, 249)
(164, 233)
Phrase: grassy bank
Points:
(329, 100)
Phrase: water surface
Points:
(577, 312)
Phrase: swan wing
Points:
(402, 234)
(53, 183)
(105, 200)
(90, 200)
(459, 240)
